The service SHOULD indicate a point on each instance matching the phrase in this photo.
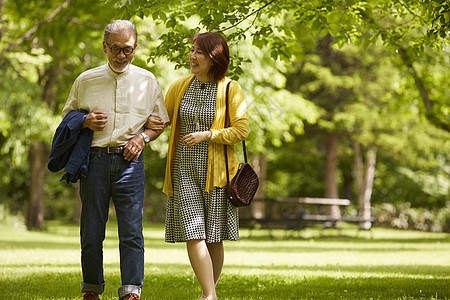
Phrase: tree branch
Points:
(423, 91)
(249, 15)
(89, 25)
(415, 15)
(32, 30)
(419, 83)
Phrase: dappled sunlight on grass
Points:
(312, 264)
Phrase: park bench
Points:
(297, 213)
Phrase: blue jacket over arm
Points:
(71, 147)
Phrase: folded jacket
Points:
(71, 147)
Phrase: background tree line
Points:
(346, 99)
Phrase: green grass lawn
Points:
(380, 264)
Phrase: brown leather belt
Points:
(115, 150)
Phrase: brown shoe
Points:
(90, 296)
(131, 297)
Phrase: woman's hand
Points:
(154, 123)
(195, 138)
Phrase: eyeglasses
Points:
(116, 50)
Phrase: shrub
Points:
(403, 216)
(9, 220)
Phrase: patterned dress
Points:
(193, 213)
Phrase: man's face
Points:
(120, 62)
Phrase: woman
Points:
(198, 211)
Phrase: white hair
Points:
(117, 26)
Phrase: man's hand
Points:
(96, 121)
(133, 148)
(154, 123)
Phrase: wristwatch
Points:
(146, 137)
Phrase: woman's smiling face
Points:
(200, 63)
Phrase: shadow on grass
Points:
(34, 244)
(167, 286)
(318, 235)
(426, 271)
(319, 287)
(263, 243)
(302, 247)
(109, 243)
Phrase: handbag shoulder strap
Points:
(227, 123)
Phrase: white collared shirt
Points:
(127, 99)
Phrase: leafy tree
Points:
(383, 51)
(375, 116)
(407, 27)
(36, 58)
(410, 29)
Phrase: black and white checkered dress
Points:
(193, 213)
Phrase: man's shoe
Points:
(131, 297)
(91, 296)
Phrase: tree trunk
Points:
(358, 173)
(331, 185)
(36, 207)
(364, 183)
(368, 187)
(260, 166)
(39, 156)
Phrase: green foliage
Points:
(422, 186)
(24, 120)
(363, 97)
(296, 169)
(411, 26)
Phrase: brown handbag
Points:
(242, 188)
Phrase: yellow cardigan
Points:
(236, 133)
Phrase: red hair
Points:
(217, 48)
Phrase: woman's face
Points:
(200, 63)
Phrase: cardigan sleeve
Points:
(172, 102)
(171, 99)
(239, 127)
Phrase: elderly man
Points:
(117, 98)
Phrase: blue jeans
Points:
(112, 177)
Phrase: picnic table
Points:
(296, 213)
